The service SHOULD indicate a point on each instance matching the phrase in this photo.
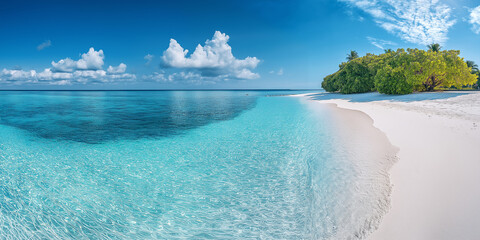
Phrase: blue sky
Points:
(244, 44)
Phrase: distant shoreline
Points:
(147, 90)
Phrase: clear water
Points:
(98, 116)
(177, 165)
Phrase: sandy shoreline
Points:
(436, 181)
(371, 160)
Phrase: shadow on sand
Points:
(370, 97)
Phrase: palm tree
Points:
(434, 47)
(475, 70)
(388, 50)
(353, 54)
(473, 66)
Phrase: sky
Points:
(215, 44)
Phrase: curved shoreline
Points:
(372, 155)
(436, 193)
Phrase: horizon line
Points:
(233, 89)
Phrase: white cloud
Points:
(157, 77)
(475, 19)
(88, 69)
(31, 76)
(48, 75)
(382, 44)
(149, 58)
(120, 69)
(15, 75)
(64, 65)
(279, 72)
(92, 60)
(416, 21)
(185, 76)
(212, 60)
(44, 45)
(194, 78)
(61, 83)
(53, 78)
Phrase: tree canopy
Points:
(434, 47)
(352, 55)
(401, 72)
(475, 70)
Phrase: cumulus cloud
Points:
(149, 57)
(213, 60)
(92, 60)
(475, 19)
(31, 76)
(44, 45)
(18, 77)
(195, 78)
(157, 77)
(14, 75)
(416, 21)
(120, 69)
(48, 75)
(61, 83)
(88, 69)
(382, 44)
(189, 77)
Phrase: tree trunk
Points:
(431, 83)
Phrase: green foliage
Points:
(478, 80)
(473, 66)
(434, 47)
(352, 55)
(330, 83)
(358, 78)
(402, 72)
(355, 76)
(457, 72)
(392, 81)
(475, 70)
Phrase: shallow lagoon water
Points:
(176, 165)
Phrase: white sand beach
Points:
(436, 180)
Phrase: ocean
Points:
(179, 165)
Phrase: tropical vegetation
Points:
(402, 72)
(475, 70)
(352, 55)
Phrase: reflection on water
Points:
(97, 116)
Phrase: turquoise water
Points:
(176, 165)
